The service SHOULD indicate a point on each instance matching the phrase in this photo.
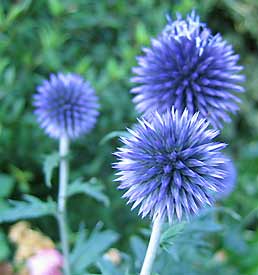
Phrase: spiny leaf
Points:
(107, 268)
(138, 247)
(50, 162)
(31, 207)
(89, 250)
(169, 235)
(92, 188)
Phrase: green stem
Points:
(63, 182)
(152, 247)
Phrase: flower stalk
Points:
(62, 193)
(153, 246)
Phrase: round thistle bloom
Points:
(188, 67)
(171, 166)
(66, 105)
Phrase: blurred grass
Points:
(99, 40)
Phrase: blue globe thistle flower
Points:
(188, 67)
(171, 166)
(66, 104)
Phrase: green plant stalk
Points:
(153, 246)
(62, 194)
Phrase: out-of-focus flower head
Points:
(66, 105)
(28, 241)
(45, 262)
(114, 256)
(188, 67)
(171, 166)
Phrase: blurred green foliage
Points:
(99, 40)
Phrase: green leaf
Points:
(7, 184)
(191, 234)
(138, 247)
(185, 6)
(221, 209)
(17, 9)
(112, 135)
(56, 7)
(89, 250)
(30, 208)
(22, 177)
(92, 188)
(107, 268)
(4, 247)
(168, 237)
(3, 204)
(234, 241)
(50, 163)
(141, 34)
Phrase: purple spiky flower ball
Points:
(66, 104)
(188, 67)
(171, 166)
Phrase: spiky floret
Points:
(66, 105)
(188, 67)
(171, 166)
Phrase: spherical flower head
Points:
(46, 262)
(171, 166)
(188, 67)
(66, 105)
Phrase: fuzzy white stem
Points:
(63, 182)
(153, 246)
